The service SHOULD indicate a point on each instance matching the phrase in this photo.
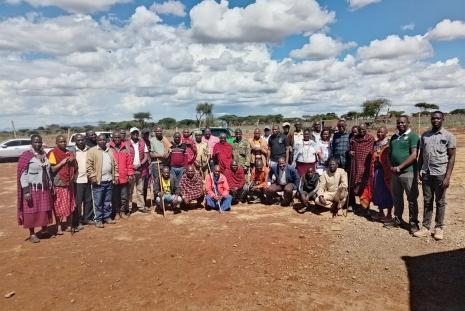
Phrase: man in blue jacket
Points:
(282, 177)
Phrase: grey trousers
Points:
(408, 183)
(432, 191)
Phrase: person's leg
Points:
(397, 196)
(288, 194)
(131, 198)
(88, 215)
(303, 197)
(97, 195)
(272, 190)
(124, 198)
(441, 204)
(145, 188)
(410, 185)
(77, 214)
(140, 192)
(107, 202)
(225, 203)
(428, 199)
(210, 202)
(115, 201)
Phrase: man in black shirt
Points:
(308, 186)
(279, 146)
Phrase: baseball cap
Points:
(267, 128)
(146, 130)
(286, 124)
(133, 129)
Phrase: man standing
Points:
(191, 152)
(340, 144)
(361, 151)
(217, 189)
(178, 157)
(258, 182)
(282, 177)
(332, 190)
(298, 135)
(82, 215)
(278, 144)
(210, 139)
(223, 153)
(91, 139)
(159, 153)
(436, 162)
(140, 156)
(241, 150)
(102, 172)
(201, 161)
(236, 181)
(266, 133)
(123, 159)
(403, 151)
(316, 132)
(259, 148)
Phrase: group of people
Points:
(97, 181)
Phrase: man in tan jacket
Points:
(102, 172)
(332, 191)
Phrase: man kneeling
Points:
(168, 190)
(282, 177)
(258, 182)
(332, 191)
(217, 189)
(191, 187)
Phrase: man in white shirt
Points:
(83, 191)
(140, 155)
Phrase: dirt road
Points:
(253, 258)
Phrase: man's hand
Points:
(27, 197)
(322, 199)
(445, 183)
(421, 175)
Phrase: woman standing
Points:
(64, 167)
(305, 154)
(324, 145)
(35, 189)
(379, 183)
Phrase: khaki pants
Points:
(137, 195)
(339, 197)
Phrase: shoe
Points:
(339, 212)
(89, 223)
(350, 208)
(438, 234)
(79, 227)
(110, 221)
(143, 210)
(395, 222)
(423, 233)
(414, 228)
(99, 224)
(33, 238)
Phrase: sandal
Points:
(33, 238)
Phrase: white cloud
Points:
(358, 4)
(409, 26)
(321, 46)
(170, 7)
(262, 21)
(447, 30)
(394, 47)
(74, 6)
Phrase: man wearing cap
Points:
(259, 148)
(241, 151)
(159, 152)
(278, 145)
(317, 132)
(267, 133)
(140, 155)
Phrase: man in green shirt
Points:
(403, 151)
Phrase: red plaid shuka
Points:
(361, 161)
(64, 201)
(191, 150)
(236, 180)
(191, 189)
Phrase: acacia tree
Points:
(372, 107)
(425, 107)
(204, 112)
(141, 117)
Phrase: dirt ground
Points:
(253, 258)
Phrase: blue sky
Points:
(234, 62)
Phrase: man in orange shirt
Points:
(258, 182)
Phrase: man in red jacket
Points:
(123, 158)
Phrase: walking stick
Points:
(162, 200)
(213, 186)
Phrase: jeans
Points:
(177, 172)
(408, 183)
(225, 204)
(83, 197)
(432, 191)
(102, 200)
(169, 198)
(119, 199)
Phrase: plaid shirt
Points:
(340, 147)
(191, 189)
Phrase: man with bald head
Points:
(259, 148)
(84, 212)
(258, 182)
(279, 146)
(223, 153)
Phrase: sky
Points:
(83, 61)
